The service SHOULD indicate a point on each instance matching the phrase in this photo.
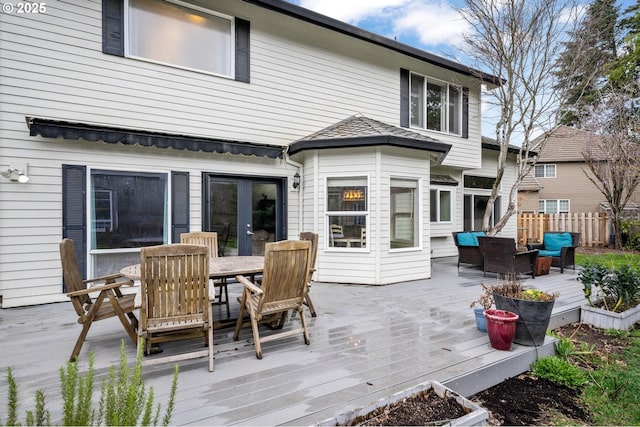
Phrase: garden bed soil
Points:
(525, 400)
(521, 400)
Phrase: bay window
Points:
(404, 228)
(347, 212)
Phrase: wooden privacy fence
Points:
(594, 227)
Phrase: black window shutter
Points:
(113, 27)
(74, 211)
(465, 112)
(404, 98)
(243, 43)
(179, 205)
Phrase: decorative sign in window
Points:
(353, 195)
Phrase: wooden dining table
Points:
(219, 268)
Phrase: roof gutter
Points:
(315, 18)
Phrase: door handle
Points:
(249, 233)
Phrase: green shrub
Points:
(560, 371)
(619, 288)
(124, 398)
(631, 229)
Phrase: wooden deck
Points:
(366, 343)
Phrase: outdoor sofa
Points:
(500, 255)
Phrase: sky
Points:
(430, 25)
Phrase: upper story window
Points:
(435, 105)
(545, 171)
(177, 34)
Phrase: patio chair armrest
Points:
(531, 246)
(531, 251)
(106, 287)
(110, 278)
(249, 285)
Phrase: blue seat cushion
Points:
(555, 242)
(469, 238)
(548, 253)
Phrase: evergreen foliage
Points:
(582, 67)
(626, 68)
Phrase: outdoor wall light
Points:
(17, 174)
(296, 180)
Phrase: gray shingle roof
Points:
(361, 131)
(359, 126)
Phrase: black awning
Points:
(112, 135)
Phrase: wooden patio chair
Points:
(284, 288)
(210, 240)
(110, 301)
(174, 287)
(313, 238)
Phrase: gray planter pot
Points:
(608, 319)
(532, 325)
(475, 414)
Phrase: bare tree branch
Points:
(518, 41)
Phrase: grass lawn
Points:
(610, 259)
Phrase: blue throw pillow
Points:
(555, 242)
(476, 234)
(467, 239)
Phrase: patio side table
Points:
(543, 265)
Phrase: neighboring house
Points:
(559, 183)
(137, 120)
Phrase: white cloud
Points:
(351, 11)
(429, 22)
(432, 23)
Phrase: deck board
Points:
(366, 343)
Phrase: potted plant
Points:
(501, 328)
(533, 307)
(480, 305)
(613, 296)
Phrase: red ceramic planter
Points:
(501, 327)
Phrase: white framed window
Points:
(477, 190)
(179, 34)
(405, 213)
(127, 210)
(545, 171)
(435, 105)
(441, 205)
(347, 212)
(550, 206)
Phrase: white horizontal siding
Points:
(31, 214)
(410, 264)
(303, 78)
(376, 264)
